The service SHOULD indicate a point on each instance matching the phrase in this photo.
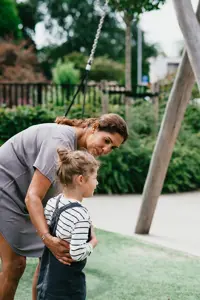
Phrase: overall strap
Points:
(57, 202)
(58, 212)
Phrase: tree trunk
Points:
(128, 66)
(128, 20)
(174, 114)
(190, 28)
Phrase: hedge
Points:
(124, 171)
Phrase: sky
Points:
(160, 27)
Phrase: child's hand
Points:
(93, 240)
(93, 235)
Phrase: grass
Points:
(123, 268)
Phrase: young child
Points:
(69, 220)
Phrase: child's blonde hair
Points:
(75, 163)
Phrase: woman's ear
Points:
(95, 127)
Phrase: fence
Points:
(15, 94)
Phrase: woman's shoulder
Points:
(66, 135)
(54, 135)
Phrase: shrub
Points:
(184, 169)
(192, 118)
(65, 73)
(143, 118)
(125, 170)
(19, 63)
(104, 68)
(17, 119)
(78, 59)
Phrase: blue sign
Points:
(145, 79)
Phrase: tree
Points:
(77, 22)
(131, 10)
(18, 63)
(9, 19)
(30, 15)
(148, 51)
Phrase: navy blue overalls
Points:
(56, 280)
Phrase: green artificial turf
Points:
(123, 268)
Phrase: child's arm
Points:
(79, 247)
(49, 209)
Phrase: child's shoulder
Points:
(52, 201)
(81, 212)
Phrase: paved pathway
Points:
(176, 222)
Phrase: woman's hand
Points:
(59, 248)
(36, 192)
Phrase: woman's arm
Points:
(35, 194)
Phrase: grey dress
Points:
(33, 148)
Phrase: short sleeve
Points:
(47, 157)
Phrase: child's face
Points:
(90, 185)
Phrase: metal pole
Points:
(139, 56)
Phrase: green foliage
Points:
(79, 34)
(17, 119)
(143, 118)
(30, 14)
(78, 59)
(125, 170)
(192, 118)
(184, 170)
(9, 19)
(104, 68)
(64, 72)
(136, 7)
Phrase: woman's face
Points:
(101, 142)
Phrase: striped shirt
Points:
(73, 226)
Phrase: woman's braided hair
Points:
(111, 123)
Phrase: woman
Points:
(27, 180)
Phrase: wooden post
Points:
(169, 130)
(174, 114)
(190, 28)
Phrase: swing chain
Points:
(84, 81)
(90, 60)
